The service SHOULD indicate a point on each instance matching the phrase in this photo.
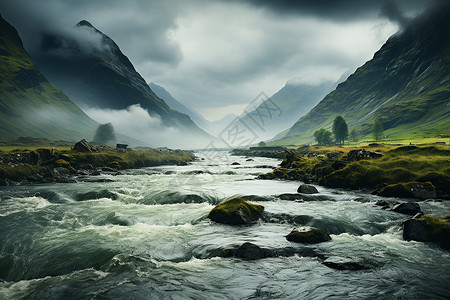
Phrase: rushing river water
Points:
(144, 235)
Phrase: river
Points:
(144, 234)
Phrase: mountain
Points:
(174, 104)
(406, 85)
(279, 112)
(92, 70)
(30, 106)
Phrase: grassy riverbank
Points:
(50, 164)
(332, 167)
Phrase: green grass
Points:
(106, 161)
(397, 165)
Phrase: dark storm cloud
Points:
(392, 12)
(140, 26)
(342, 10)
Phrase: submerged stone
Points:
(308, 235)
(236, 211)
(249, 251)
(428, 229)
(345, 263)
(307, 189)
(407, 208)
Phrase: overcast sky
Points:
(216, 56)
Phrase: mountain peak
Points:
(85, 23)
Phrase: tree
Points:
(104, 134)
(353, 136)
(261, 144)
(322, 136)
(340, 129)
(377, 130)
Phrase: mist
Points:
(137, 123)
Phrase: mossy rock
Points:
(62, 163)
(236, 211)
(420, 190)
(308, 235)
(428, 229)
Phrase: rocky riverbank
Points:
(46, 165)
(406, 171)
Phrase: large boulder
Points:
(307, 189)
(236, 211)
(362, 154)
(420, 190)
(84, 146)
(428, 229)
(308, 235)
(407, 208)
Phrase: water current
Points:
(144, 234)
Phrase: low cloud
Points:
(137, 123)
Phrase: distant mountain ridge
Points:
(282, 109)
(174, 104)
(29, 104)
(406, 86)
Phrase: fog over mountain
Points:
(219, 55)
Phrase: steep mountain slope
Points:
(174, 104)
(93, 71)
(406, 86)
(29, 104)
(280, 111)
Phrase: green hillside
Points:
(29, 104)
(406, 86)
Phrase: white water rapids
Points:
(144, 235)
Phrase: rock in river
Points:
(428, 229)
(307, 189)
(407, 208)
(308, 235)
(236, 211)
(345, 263)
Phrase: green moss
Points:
(19, 172)
(236, 211)
(399, 165)
(62, 163)
(438, 229)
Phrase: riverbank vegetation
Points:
(360, 168)
(60, 164)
